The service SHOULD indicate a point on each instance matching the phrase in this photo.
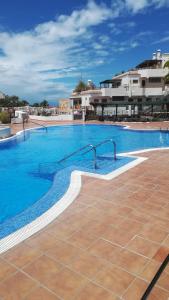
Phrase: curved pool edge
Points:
(73, 190)
(123, 126)
(53, 212)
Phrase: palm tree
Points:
(166, 78)
(81, 86)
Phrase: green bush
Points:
(4, 117)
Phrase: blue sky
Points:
(47, 45)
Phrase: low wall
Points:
(52, 118)
(5, 132)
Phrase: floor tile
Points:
(95, 292)
(22, 255)
(161, 254)
(66, 284)
(157, 293)
(153, 233)
(41, 241)
(43, 269)
(143, 247)
(41, 293)
(64, 252)
(131, 226)
(16, 287)
(61, 230)
(164, 281)
(166, 241)
(82, 239)
(6, 270)
(135, 290)
(87, 264)
(150, 270)
(130, 261)
(104, 249)
(117, 236)
(114, 279)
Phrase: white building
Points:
(2, 95)
(136, 89)
(82, 100)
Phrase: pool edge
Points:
(53, 212)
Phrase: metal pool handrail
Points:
(92, 148)
(43, 126)
(105, 142)
(108, 141)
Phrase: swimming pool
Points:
(31, 180)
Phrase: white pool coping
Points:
(73, 191)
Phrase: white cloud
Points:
(135, 6)
(162, 40)
(138, 5)
(36, 63)
(52, 45)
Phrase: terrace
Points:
(107, 245)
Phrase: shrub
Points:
(4, 117)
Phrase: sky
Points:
(47, 46)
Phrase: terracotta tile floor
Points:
(106, 246)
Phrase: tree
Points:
(44, 103)
(4, 117)
(36, 104)
(166, 78)
(12, 101)
(81, 86)
(166, 65)
(25, 103)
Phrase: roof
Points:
(110, 80)
(149, 63)
(96, 91)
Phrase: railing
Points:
(105, 142)
(92, 148)
(164, 129)
(41, 125)
(155, 279)
(109, 141)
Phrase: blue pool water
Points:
(31, 180)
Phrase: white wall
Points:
(52, 118)
(120, 91)
(148, 92)
(86, 100)
(153, 72)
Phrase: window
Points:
(135, 81)
(143, 83)
(118, 98)
(155, 79)
(96, 100)
(104, 100)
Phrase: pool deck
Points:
(107, 245)
(138, 125)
